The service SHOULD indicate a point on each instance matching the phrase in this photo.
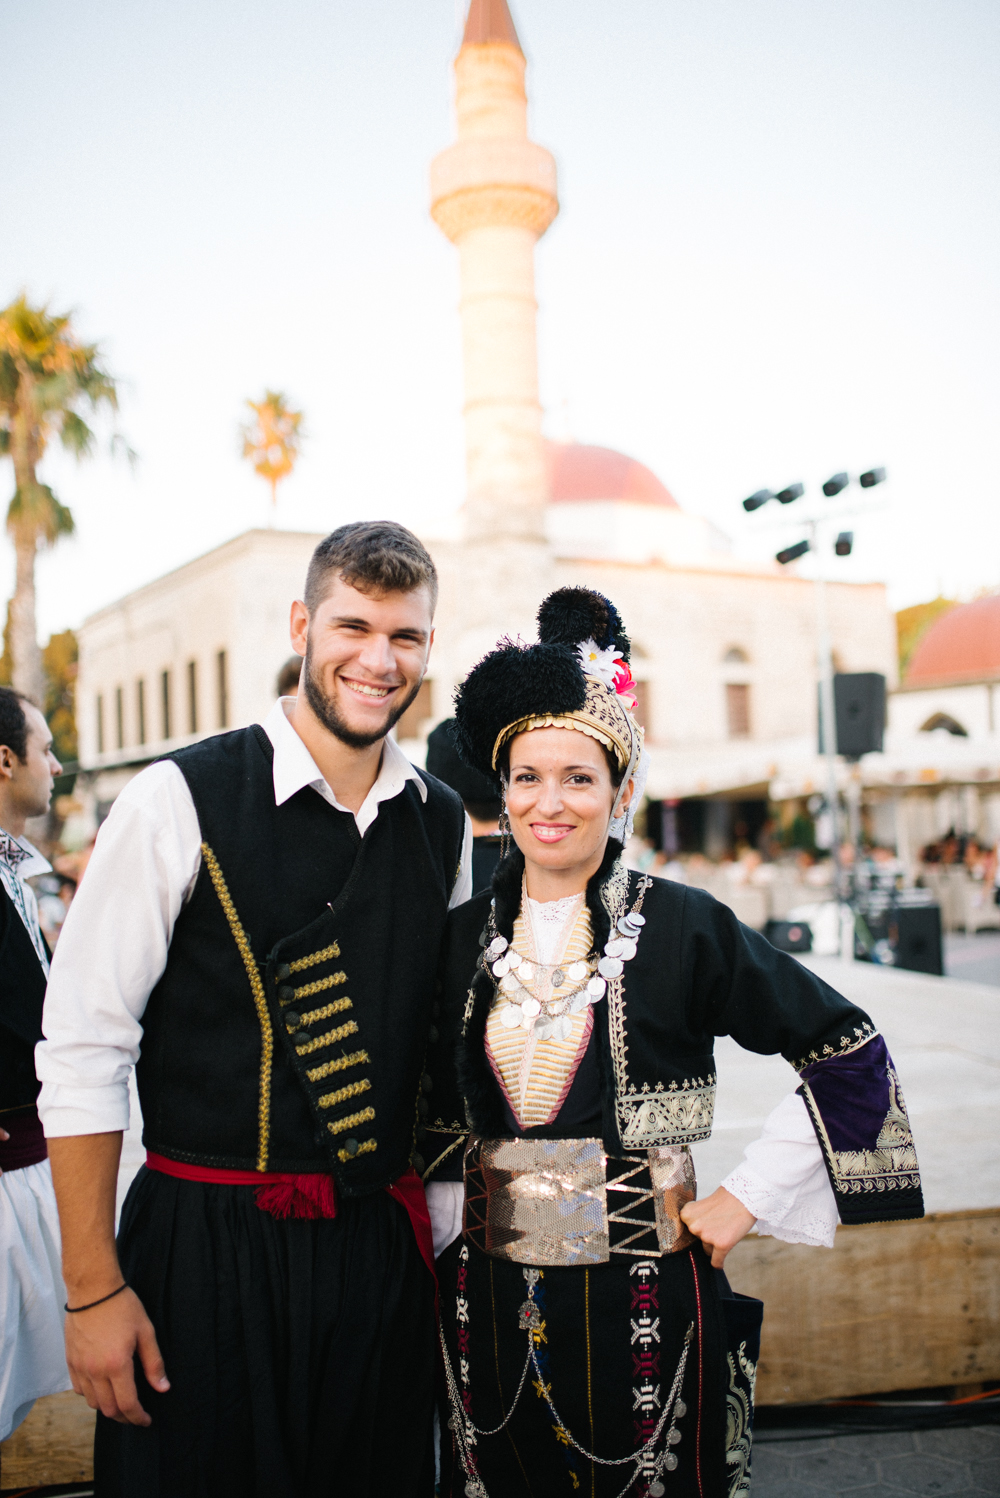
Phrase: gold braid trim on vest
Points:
(260, 1003)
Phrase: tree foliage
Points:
(913, 623)
(48, 379)
(272, 439)
(59, 659)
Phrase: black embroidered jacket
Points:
(289, 1029)
(698, 973)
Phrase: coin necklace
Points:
(514, 972)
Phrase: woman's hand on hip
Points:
(720, 1221)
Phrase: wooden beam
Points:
(54, 1445)
(904, 1305)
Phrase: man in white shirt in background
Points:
(261, 917)
(32, 1361)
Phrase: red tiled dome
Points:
(962, 645)
(578, 472)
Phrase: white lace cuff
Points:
(779, 1215)
(783, 1181)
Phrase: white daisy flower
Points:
(599, 663)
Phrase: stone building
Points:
(725, 648)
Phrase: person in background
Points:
(480, 797)
(32, 1361)
(288, 677)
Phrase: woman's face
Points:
(560, 798)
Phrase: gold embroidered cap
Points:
(603, 716)
(577, 676)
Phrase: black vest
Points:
(288, 1030)
(22, 993)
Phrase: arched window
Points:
(734, 656)
(945, 721)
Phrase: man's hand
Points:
(100, 1345)
(102, 1342)
(720, 1221)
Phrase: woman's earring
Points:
(505, 833)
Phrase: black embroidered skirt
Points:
(300, 1353)
(609, 1344)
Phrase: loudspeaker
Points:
(789, 936)
(918, 939)
(859, 708)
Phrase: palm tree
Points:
(46, 376)
(273, 440)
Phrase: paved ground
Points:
(958, 1462)
(974, 958)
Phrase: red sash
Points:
(313, 1195)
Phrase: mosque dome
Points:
(578, 472)
(962, 645)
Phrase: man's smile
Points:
(367, 688)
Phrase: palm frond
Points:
(76, 436)
(35, 510)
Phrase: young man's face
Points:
(365, 658)
(27, 783)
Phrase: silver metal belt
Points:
(566, 1202)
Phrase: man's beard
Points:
(328, 714)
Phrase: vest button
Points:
(420, 1133)
(351, 1147)
(282, 971)
(292, 1020)
(286, 993)
(301, 1037)
(417, 1161)
(433, 1034)
(423, 1107)
(426, 1084)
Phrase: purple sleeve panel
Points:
(857, 1109)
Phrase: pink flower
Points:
(625, 683)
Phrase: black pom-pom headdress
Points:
(577, 676)
(572, 615)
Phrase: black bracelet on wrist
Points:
(73, 1309)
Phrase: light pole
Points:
(824, 652)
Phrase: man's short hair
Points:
(14, 722)
(374, 556)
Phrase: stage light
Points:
(834, 485)
(794, 491)
(790, 553)
(872, 477)
(844, 543)
(756, 500)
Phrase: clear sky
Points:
(777, 257)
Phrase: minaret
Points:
(494, 194)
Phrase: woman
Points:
(591, 1345)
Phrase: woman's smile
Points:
(551, 832)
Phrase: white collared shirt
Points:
(113, 946)
(13, 876)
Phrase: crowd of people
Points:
(420, 1060)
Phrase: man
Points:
(262, 915)
(32, 1362)
(480, 797)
